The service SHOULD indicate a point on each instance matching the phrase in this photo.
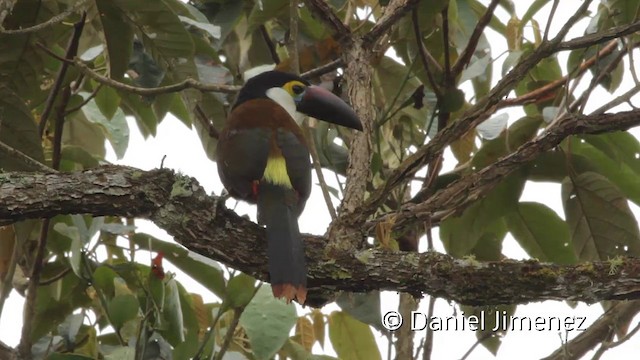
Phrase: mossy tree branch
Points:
(179, 205)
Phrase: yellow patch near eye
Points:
(276, 172)
(289, 87)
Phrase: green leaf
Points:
(122, 308)
(461, 234)
(602, 225)
(180, 110)
(81, 132)
(620, 146)
(212, 30)
(618, 172)
(69, 328)
(541, 233)
(363, 307)
(489, 245)
(531, 11)
(266, 10)
(267, 322)
(118, 35)
(240, 291)
(172, 312)
(352, 339)
(108, 101)
(116, 130)
(56, 301)
(146, 118)
(203, 270)
(215, 112)
(160, 28)
(17, 130)
(103, 280)
(623, 11)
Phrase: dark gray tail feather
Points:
(276, 210)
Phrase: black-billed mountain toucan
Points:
(263, 158)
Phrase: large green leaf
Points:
(118, 36)
(602, 225)
(17, 130)
(172, 313)
(79, 131)
(159, 27)
(620, 146)
(352, 339)
(122, 308)
(461, 234)
(240, 289)
(205, 271)
(115, 129)
(617, 171)
(541, 233)
(623, 11)
(364, 307)
(267, 322)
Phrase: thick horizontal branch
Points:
(470, 188)
(179, 205)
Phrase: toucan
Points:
(263, 158)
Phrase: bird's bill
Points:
(322, 104)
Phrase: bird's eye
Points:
(297, 89)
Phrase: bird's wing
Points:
(242, 158)
(296, 155)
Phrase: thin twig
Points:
(598, 332)
(599, 37)
(478, 342)
(422, 52)
(85, 101)
(543, 91)
(428, 342)
(54, 20)
(270, 45)
(318, 168)
(31, 163)
(393, 12)
(72, 51)
(292, 46)
(329, 17)
(465, 56)
(204, 121)
(185, 84)
(6, 284)
(29, 312)
(229, 335)
(323, 69)
(554, 7)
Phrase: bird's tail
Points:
(287, 267)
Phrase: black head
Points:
(309, 99)
(257, 86)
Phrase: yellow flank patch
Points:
(276, 171)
